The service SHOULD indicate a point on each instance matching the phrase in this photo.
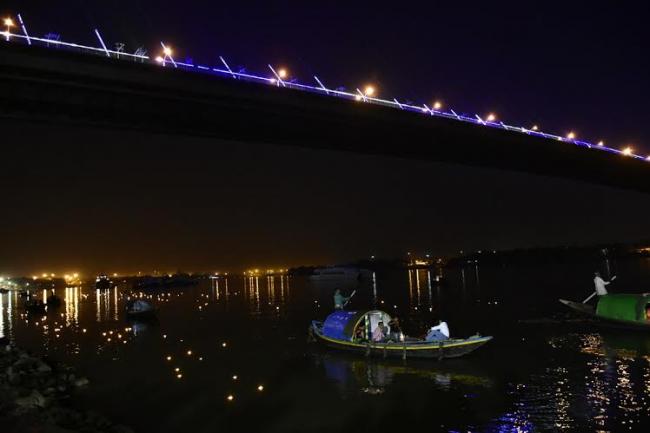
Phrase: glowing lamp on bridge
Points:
(571, 135)
(167, 51)
(535, 128)
(369, 90)
(491, 117)
(437, 105)
(160, 59)
(283, 73)
(601, 143)
(9, 23)
(628, 151)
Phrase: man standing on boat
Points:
(599, 285)
(339, 300)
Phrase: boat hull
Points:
(589, 311)
(453, 348)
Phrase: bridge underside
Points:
(61, 87)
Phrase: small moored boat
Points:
(140, 309)
(350, 331)
(622, 310)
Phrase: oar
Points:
(594, 294)
(590, 296)
(346, 302)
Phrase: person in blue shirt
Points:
(340, 300)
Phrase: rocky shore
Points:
(35, 397)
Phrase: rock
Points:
(120, 429)
(13, 377)
(82, 381)
(42, 367)
(33, 400)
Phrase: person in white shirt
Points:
(600, 284)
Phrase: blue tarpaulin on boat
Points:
(336, 323)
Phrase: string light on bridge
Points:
(9, 23)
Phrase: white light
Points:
(282, 73)
(160, 59)
(369, 90)
(535, 128)
(167, 51)
(491, 117)
(437, 105)
(9, 22)
(571, 135)
(628, 151)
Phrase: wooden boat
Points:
(622, 310)
(339, 328)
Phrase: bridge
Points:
(48, 80)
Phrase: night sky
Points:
(95, 200)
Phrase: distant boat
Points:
(340, 330)
(164, 282)
(340, 273)
(630, 311)
(103, 282)
(35, 306)
(53, 301)
(140, 309)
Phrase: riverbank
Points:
(35, 396)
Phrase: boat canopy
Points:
(341, 324)
(623, 307)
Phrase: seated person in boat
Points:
(395, 330)
(379, 334)
(438, 333)
(360, 333)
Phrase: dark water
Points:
(246, 338)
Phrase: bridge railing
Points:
(322, 90)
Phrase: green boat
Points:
(624, 310)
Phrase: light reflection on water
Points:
(563, 380)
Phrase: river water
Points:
(232, 355)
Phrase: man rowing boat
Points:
(599, 285)
(341, 301)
